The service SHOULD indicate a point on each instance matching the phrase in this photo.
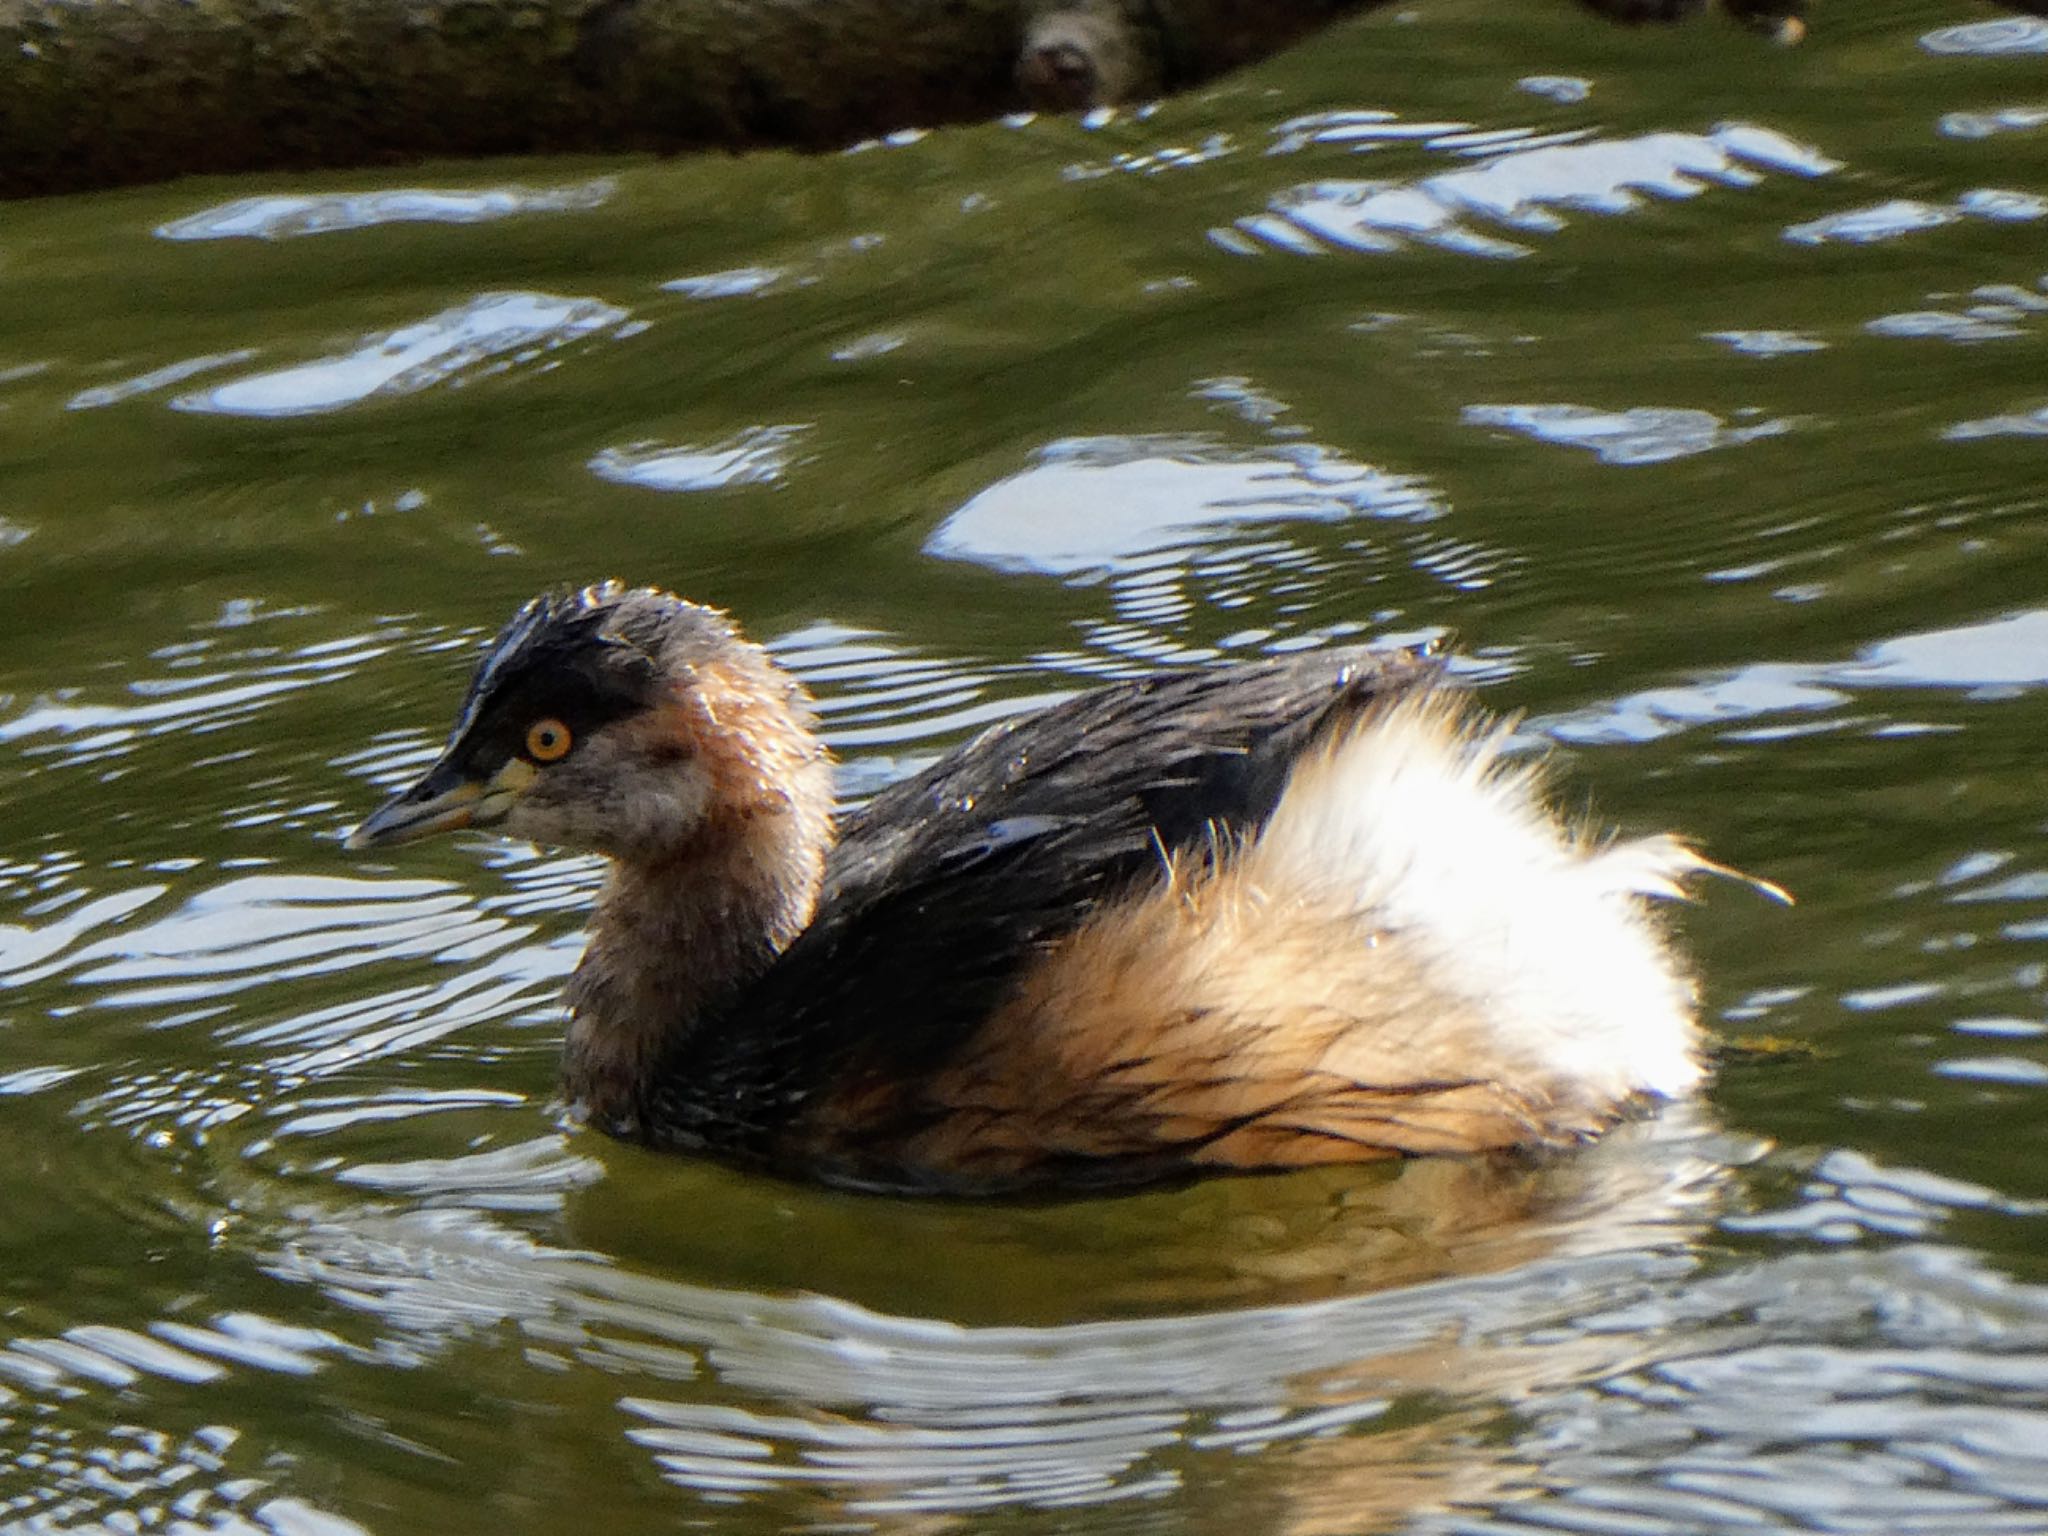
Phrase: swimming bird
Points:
(1298, 911)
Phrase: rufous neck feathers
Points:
(682, 928)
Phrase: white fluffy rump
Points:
(1538, 940)
(1414, 956)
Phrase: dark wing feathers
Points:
(1129, 767)
(950, 879)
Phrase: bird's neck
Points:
(674, 941)
(685, 924)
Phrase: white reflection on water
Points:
(1848, 1197)
(1171, 157)
(1997, 655)
(1765, 343)
(519, 976)
(1943, 325)
(1363, 129)
(280, 216)
(2015, 424)
(1643, 434)
(1894, 1391)
(1166, 524)
(65, 1473)
(734, 283)
(874, 344)
(2013, 1070)
(28, 1080)
(1991, 39)
(204, 687)
(32, 951)
(1519, 190)
(1879, 221)
(1905, 216)
(156, 379)
(134, 1477)
(756, 456)
(280, 1073)
(1092, 504)
(2003, 311)
(873, 692)
(492, 332)
(253, 931)
(530, 1175)
(1566, 89)
(1982, 125)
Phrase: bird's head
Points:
(619, 720)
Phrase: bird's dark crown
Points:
(585, 656)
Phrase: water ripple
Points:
(251, 931)
(63, 1476)
(857, 1412)
(236, 686)
(1943, 325)
(830, 1410)
(1905, 216)
(1639, 435)
(1849, 1196)
(157, 378)
(1151, 162)
(1991, 657)
(756, 456)
(873, 692)
(733, 283)
(1568, 90)
(281, 216)
(490, 333)
(1982, 125)
(1518, 191)
(1104, 504)
(31, 952)
(1369, 128)
(2014, 424)
(1990, 39)
(1766, 343)
(523, 1176)
(1900, 1393)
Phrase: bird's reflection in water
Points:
(1342, 1348)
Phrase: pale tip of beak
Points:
(411, 815)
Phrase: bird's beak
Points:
(444, 799)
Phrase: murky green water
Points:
(1699, 390)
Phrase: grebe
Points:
(1299, 911)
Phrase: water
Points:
(1694, 388)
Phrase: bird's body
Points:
(1296, 912)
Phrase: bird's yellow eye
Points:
(548, 741)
